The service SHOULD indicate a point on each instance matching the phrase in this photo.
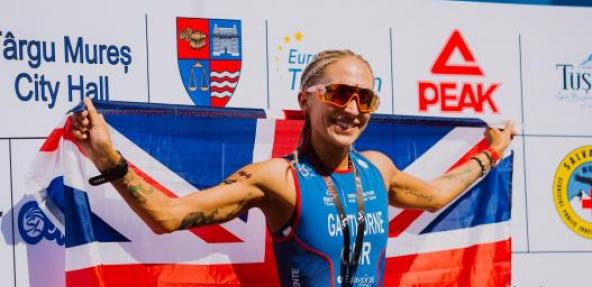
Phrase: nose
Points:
(353, 106)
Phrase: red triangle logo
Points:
(470, 66)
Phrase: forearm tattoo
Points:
(196, 219)
(464, 177)
(239, 176)
(138, 191)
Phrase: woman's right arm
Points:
(255, 185)
(218, 204)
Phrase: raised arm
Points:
(255, 185)
(409, 191)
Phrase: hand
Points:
(91, 131)
(498, 139)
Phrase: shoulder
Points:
(272, 176)
(384, 164)
(269, 171)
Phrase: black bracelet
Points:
(478, 160)
(489, 157)
(115, 173)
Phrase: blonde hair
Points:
(315, 71)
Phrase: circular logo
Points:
(572, 191)
(31, 223)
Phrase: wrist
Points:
(492, 154)
(117, 172)
(109, 161)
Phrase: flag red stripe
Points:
(177, 275)
(287, 136)
(210, 233)
(398, 224)
(53, 140)
(479, 265)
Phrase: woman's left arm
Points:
(408, 191)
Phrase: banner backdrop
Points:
(521, 60)
(179, 149)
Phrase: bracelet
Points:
(478, 160)
(493, 154)
(112, 174)
(489, 157)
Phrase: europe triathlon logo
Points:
(576, 82)
(457, 96)
(290, 52)
(572, 191)
(292, 55)
(209, 53)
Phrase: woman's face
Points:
(332, 125)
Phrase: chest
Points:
(319, 225)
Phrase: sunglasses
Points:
(340, 95)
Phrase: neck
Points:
(334, 158)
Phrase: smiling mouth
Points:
(344, 124)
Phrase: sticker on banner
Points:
(33, 225)
(572, 191)
(576, 83)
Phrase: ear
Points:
(303, 100)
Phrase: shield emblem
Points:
(209, 54)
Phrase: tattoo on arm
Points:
(418, 195)
(195, 219)
(138, 191)
(465, 176)
(239, 176)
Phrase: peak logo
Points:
(457, 96)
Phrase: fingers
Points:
(78, 134)
(81, 121)
(80, 126)
(92, 111)
(509, 127)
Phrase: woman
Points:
(326, 205)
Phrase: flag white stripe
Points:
(264, 136)
(101, 253)
(408, 243)
(435, 161)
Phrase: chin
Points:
(344, 140)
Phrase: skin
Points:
(269, 185)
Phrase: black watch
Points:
(114, 173)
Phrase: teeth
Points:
(344, 124)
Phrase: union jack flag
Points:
(180, 149)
